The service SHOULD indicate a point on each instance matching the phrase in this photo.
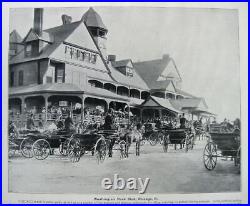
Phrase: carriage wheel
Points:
(160, 137)
(210, 156)
(100, 150)
(63, 147)
(166, 141)
(41, 149)
(74, 150)
(153, 139)
(123, 147)
(26, 147)
(142, 142)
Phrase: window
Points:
(28, 49)
(129, 72)
(20, 78)
(93, 58)
(81, 56)
(87, 56)
(60, 75)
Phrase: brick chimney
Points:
(38, 21)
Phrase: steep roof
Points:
(93, 19)
(188, 103)
(151, 70)
(15, 37)
(121, 63)
(134, 81)
(160, 102)
(184, 93)
(59, 34)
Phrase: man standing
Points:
(183, 121)
(30, 122)
(68, 123)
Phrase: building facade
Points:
(69, 66)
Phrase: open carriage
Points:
(152, 134)
(178, 136)
(222, 144)
(33, 143)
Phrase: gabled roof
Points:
(59, 34)
(134, 81)
(15, 37)
(151, 70)
(160, 102)
(184, 93)
(188, 103)
(121, 63)
(32, 36)
(161, 85)
(93, 19)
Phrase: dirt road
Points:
(172, 172)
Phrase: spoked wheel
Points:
(41, 149)
(74, 150)
(210, 156)
(142, 142)
(153, 138)
(100, 150)
(63, 148)
(165, 143)
(26, 147)
(122, 147)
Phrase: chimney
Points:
(111, 58)
(38, 21)
(66, 19)
(165, 56)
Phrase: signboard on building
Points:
(63, 103)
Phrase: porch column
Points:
(141, 111)
(108, 102)
(46, 107)
(22, 112)
(22, 105)
(160, 113)
(82, 108)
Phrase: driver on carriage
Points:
(109, 120)
(68, 123)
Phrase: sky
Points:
(203, 42)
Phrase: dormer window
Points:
(28, 50)
(129, 72)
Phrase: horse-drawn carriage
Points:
(152, 134)
(183, 137)
(222, 144)
(33, 143)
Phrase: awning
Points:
(159, 103)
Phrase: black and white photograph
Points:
(125, 102)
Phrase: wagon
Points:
(152, 134)
(41, 145)
(116, 141)
(92, 141)
(178, 136)
(19, 142)
(222, 145)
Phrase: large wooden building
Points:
(69, 65)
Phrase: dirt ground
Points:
(173, 172)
